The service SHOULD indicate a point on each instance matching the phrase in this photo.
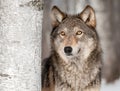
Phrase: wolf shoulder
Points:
(47, 75)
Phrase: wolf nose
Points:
(68, 50)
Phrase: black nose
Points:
(68, 50)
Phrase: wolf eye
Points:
(78, 32)
(62, 33)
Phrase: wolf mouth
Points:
(79, 50)
(69, 54)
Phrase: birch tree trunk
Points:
(20, 45)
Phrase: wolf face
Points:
(74, 36)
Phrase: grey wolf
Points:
(75, 60)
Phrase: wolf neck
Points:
(73, 73)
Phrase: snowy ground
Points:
(111, 87)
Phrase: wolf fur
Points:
(81, 69)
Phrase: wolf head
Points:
(74, 36)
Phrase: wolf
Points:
(75, 61)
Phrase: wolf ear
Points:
(88, 16)
(56, 16)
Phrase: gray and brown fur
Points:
(81, 69)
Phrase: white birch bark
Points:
(20, 45)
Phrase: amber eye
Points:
(78, 32)
(62, 33)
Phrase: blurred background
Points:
(108, 28)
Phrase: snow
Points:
(110, 87)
